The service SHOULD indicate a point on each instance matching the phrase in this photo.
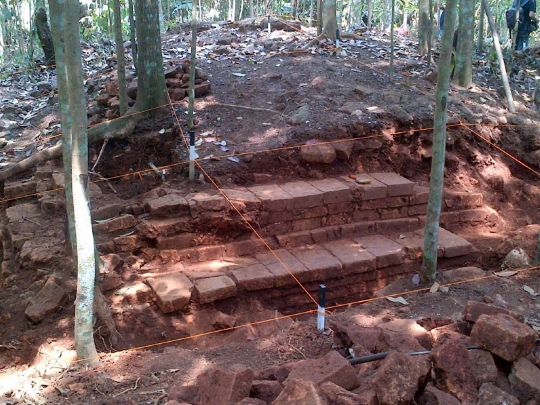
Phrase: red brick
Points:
(386, 251)
(278, 228)
(273, 198)
(396, 225)
(279, 216)
(340, 207)
(393, 213)
(319, 235)
(201, 202)
(413, 244)
(254, 277)
(358, 229)
(449, 218)
(306, 224)
(205, 253)
(335, 219)
(334, 191)
(120, 223)
(452, 244)
(243, 199)
(262, 219)
(420, 209)
(388, 202)
(181, 241)
(352, 256)
(474, 215)
(304, 195)
(172, 291)
(371, 191)
(366, 215)
(307, 213)
(282, 268)
(128, 243)
(395, 184)
(420, 195)
(170, 205)
(457, 200)
(294, 239)
(244, 248)
(321, 264)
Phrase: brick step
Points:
(352, 266)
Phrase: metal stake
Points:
(321, 307)
(191, 155)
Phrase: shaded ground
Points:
(385, 119)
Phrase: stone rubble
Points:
(449, 375)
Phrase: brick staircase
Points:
(354, 234)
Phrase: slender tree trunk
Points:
(500, 58)
(369, 13)
(191, 102)
(151, 85)
(464, 51)
(241, 9)
(391, 73)
(120, 58)
(162, 26)
(73, 116)
(251, 10)
(431, 234)
(134, 49)
(319, 17)
(430, 34)
(480, 46)
(310, 13)
(44, 35)
(405, 13)
(109, 19)
(2, 27)
(423, 27)
(329, 19)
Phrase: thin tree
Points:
(120, 58)
(480, 46)
(498, 50)
(65, 26)
(423, 27)
(431, 238)
(133, 34)
(465, 49)
(329, 19)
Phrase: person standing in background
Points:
(527, 14)
(442, 7)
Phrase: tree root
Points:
(314, 41)
(118, 128)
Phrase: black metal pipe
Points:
(384, 355)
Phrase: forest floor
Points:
(349, 95)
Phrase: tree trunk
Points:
(430, 34)
(391, 66)
(120, 58)
(191, 102)
(251, 10)
(464, 50)
(429, 262)
(162, 27)
(133, 34)
(423, 27)
(329, 19)
(319, 17)
(73, 117)
(44, 35)
(2, 27)
(480, 46)
(369, 13)
(500, 58)
(151, 90)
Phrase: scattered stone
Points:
(324, 153)
(46, 302)
(492, 395)
(516, 259)
(462, 273)
(224, 387)
(474, 309)
(300, 116)
(483, 366)
(331, 367)
(172, 291)
(504, 336)
(184, 393)
(525, 380)
(223, 321)
(343, 149)
(364, 90)
(266, 390)
(399, 377)
(351, 107)
(401, 115)
(298, 392)
(339, 396)
(452, 370)
(434, 396)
